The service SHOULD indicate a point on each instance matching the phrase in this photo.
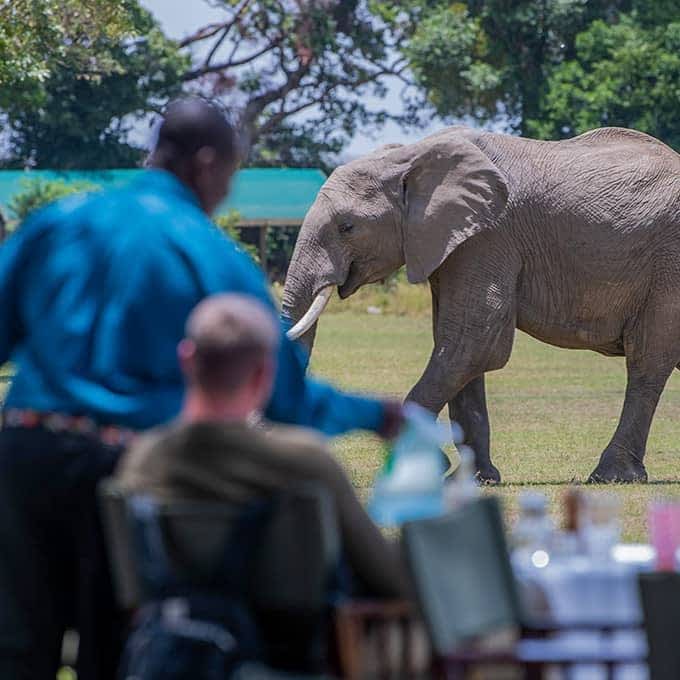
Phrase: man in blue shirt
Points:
(94, 294)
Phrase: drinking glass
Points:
(664, 531)
(601, 524)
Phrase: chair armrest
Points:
(354, 620)
(545, 627)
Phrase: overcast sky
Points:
(178, 18)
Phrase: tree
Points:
(489, 60)
(88, 69)
(299, 72)
(624, 74)
(548, 68)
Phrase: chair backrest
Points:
(184, 548)
(462, 574)
(660, 594)
(299, 552)
(293, 534)
(195, 535)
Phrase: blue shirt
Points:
(94, 294)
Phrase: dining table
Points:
(590, 606)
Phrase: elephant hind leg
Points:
(651, 356)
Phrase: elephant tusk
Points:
(312, 315)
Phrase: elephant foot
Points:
(487, 474)
(619, 466)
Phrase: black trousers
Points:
(54, 573)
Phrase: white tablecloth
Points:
(576, 590)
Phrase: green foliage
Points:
(549, 68)
(449, 52)
(622, 74)
(34, 34)
(280, 246)
(489, 59)
(37, 193)
(91, 70)
(228, 224)
(75, 75)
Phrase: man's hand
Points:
(392, 420)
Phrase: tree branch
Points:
(258, 104)
(225, 65)
(276, 119)
(203, 34)
(212, 30)
(298, 72)
(226, 31)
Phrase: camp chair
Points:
(284, 579)
(438, 575)
(468, 599)
(660, 594)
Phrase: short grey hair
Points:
(233, 334)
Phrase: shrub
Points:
(280, 246)
(227, 223)
(37, 193)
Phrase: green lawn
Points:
(552, 411)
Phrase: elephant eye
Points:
(344, 227)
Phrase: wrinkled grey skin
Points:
(576, 242)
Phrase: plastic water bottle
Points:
(410, 484)
(533, 533)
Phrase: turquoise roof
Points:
(276, 195)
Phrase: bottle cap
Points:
(532, 501)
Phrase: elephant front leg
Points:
(473, 303)
(468, 408)
(466, 398)
(447, 381)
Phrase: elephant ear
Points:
(451, 191)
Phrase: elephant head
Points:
(411, 205)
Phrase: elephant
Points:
(575, 242)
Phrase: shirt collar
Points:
(165, 182)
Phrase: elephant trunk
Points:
(309, 283)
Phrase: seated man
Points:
(220, 449)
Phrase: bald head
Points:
(197, 143)
(231, 337)
(190, 124)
